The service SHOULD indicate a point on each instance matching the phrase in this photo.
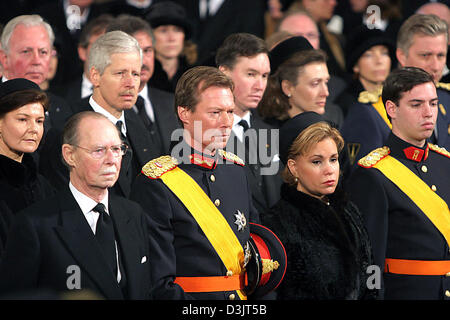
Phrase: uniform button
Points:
(229, 273)
(424, 168)
(433, 187)
(217, 202)
(233, 296)
(447, 293)
(212, 178)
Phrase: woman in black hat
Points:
(173, 51)
(298, 82)
(327, 246)
(370, 56)
(22, 113)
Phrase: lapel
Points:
(442, 130)
(441, 122)
(165, 118)
(139, 138)
(127, 240)
(79, 239)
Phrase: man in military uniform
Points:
(200, 198)
(422, 42)
(403, 191)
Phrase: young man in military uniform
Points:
(422, 42)
(200, 197)
(403, 191)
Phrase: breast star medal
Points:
(241, 222)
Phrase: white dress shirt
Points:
(238, 130)
(86, 205)
(99, 109)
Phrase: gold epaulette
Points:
(443, 85)
(369, 97)
(157, 167)
(439, 150)
(373, 157)
(231, 157)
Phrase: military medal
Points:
(241, 222)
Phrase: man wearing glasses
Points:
(83, 238)
(114, 63)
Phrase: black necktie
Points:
(244, 124)
(140, 105)
(104, 233)
(123, 137)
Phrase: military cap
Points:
(267, 265)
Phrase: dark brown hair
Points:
(18, 99)
(196, 80)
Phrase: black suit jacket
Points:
(138, 137)
(262, 174)
(51, 236)
(233, 16)
(70, 65)
(163, 107)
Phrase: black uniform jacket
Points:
(184, 249)
(50, 236)
(397, 227)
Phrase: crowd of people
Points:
(225, 150)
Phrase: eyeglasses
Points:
(100, 152)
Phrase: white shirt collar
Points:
(86, 87)
(148, 103)
(140, 4)
(99, 109)
(86, 204)
(237, 128)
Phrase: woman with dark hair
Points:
(370, 57)
(22, 114)
(298, 83)
(327, 246)
(174, 52)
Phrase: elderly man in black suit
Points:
(84, 237)
(115, 61)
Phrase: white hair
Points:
(108, 44)
(28, 21)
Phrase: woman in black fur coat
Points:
(327, 246)
(22, 114)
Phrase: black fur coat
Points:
(327, 246)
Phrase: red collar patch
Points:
(202, 161)
(416, 154)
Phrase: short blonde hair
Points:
(306, 140)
